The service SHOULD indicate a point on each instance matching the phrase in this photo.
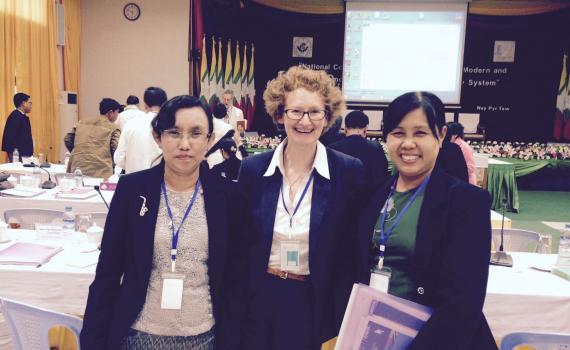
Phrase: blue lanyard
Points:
(298, 203)
(173, 251)
(385, 234)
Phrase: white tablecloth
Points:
(55, 285)
(47, 200)
(22, 170)
(520, 298)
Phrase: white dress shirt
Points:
(137, 149)
(220, 129)
(131, 112)
(299, 232)
(234, 114)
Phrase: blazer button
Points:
(421, 290)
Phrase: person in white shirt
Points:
(234, 114)
(221, 128)
(130, 112)
(299, 240)
(137, 149)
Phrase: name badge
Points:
(380, 279)
(172, 288)
(290, 252)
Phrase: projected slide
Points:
(389, 52)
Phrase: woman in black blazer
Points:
(434, 229)
(162, 279)
(298, 246)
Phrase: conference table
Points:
(19, 169)
(523, 298)
(49, 200)
(520, 298)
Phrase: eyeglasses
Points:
(296, 114)
(177, 135)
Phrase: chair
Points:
(29, 325)
(473, 129)
(60, 176)
(27, 218)
(516, 240)
(538, 341)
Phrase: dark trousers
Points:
(281, 316)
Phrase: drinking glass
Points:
(84, 221)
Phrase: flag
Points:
(204, 83)
(213, 74)
(237, 77)
(228, 77)
(251, 90)
(243, 82)
(220, 73)
(199, 44)
(562, 114)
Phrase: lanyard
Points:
(173, 251)
(298, 203)
(385, 234)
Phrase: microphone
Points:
(48, 184)
(96, 188)
(46, 163)
(500, 257)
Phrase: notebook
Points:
(21, 191)
(30, 254)
(77, 193)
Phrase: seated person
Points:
(229, 168)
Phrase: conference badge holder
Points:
(380, 277)
(290, 252)
(172, 287)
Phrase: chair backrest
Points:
(516, 240)
(538, 341)
(27, 218)
(60, 176)
(29, 325)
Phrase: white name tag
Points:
(172, 293)
(380, 280)
(290, 252)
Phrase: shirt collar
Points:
(320, 164)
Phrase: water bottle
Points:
(68, 221)
(16, 157)
(37, 174)
(78, 175)
(66, 161)
(564, 248)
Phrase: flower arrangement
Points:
(261, 142)
(522, 150)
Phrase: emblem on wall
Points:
(504, 51)
(303, 47)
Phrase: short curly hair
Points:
(301, 77)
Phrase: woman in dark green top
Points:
(430, 231)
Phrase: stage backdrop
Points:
(516, 98)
